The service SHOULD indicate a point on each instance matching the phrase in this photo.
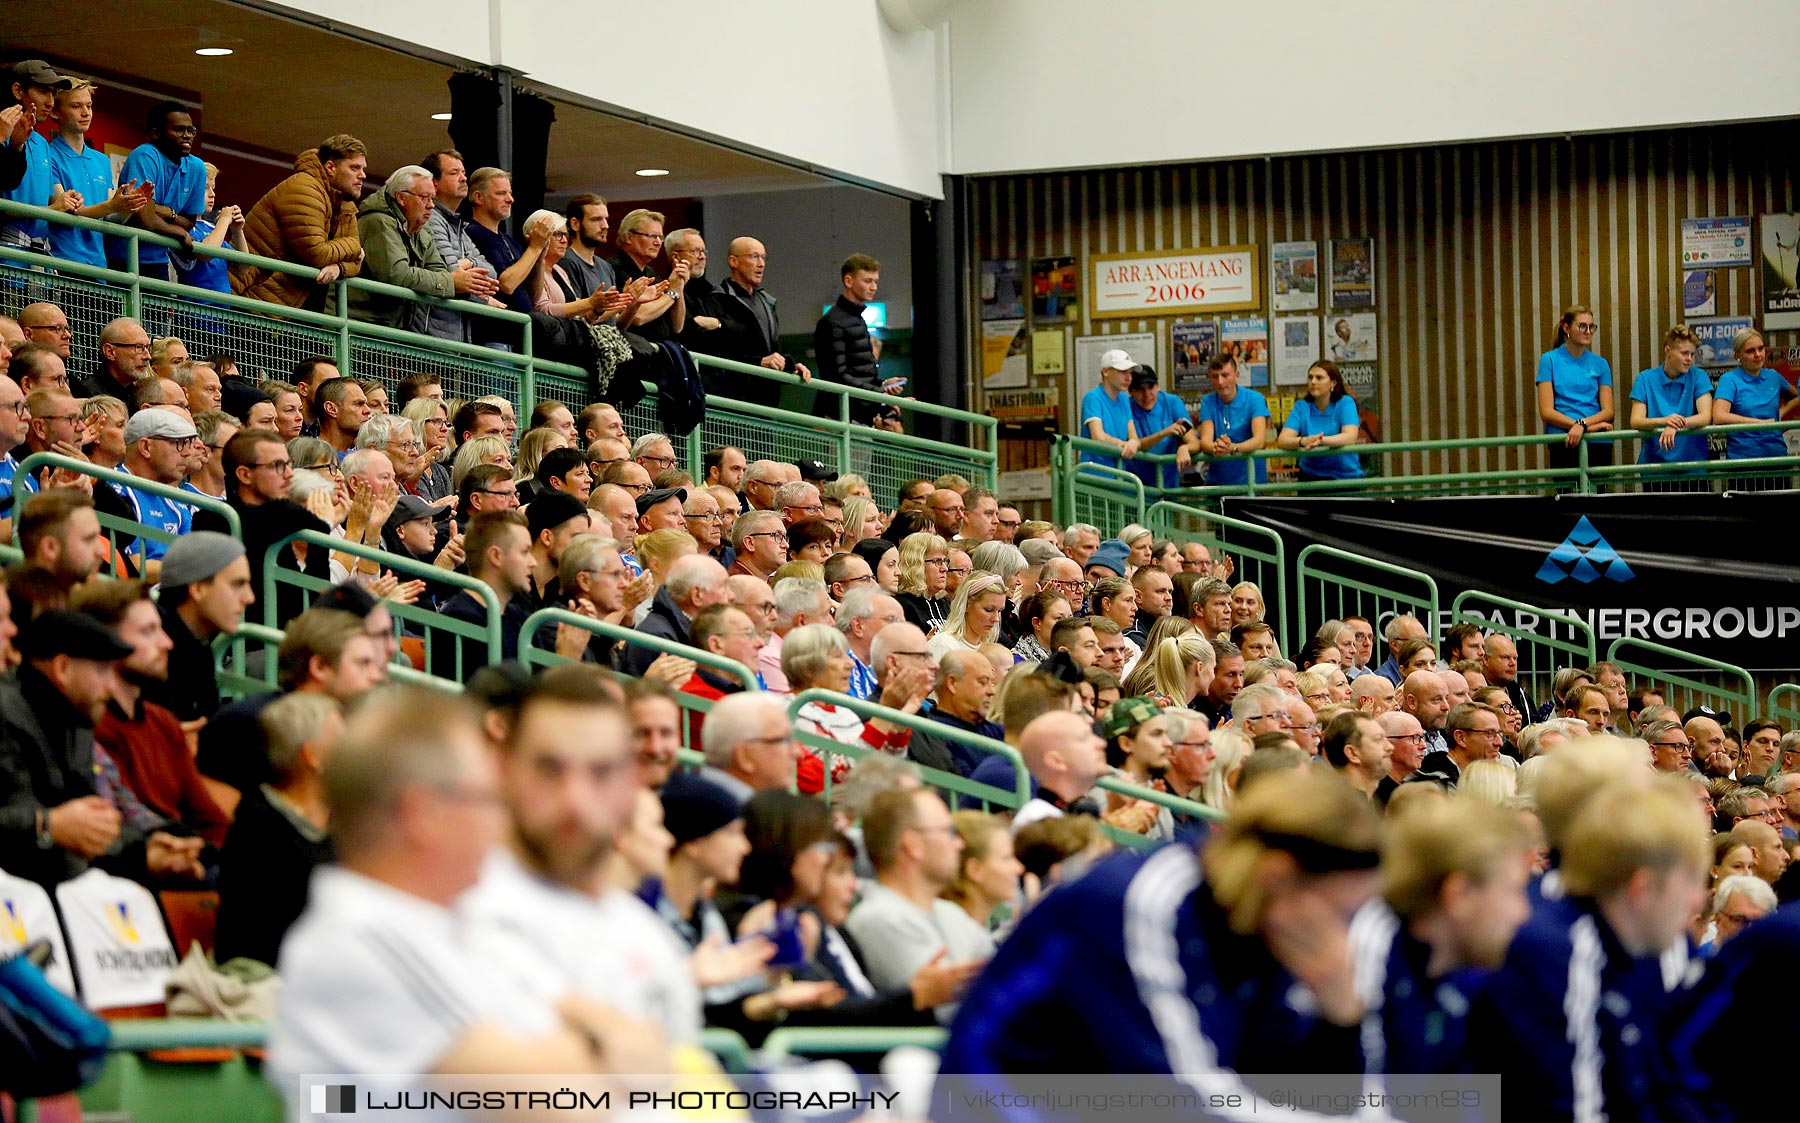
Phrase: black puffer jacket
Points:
(846, 353)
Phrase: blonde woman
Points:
(924, 572)
(1230, 750)
(481, 450)
(552, 291)
(974, 615)
(1487, 781)
(1138, 541)
(988, 873)
(1246, 604)
(657, 552)
(431, 421)
(810, 570)
(862, 519)
(1181, 669)
(532, 447)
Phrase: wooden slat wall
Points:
(1478, 249)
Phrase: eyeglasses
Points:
(913, 654)
(646, 236)
(1495, 733)
(18, 407)
(665, 461)
(937, 561)
(55, 416)
(815, 508)
(635, 489)
(419, 195)
(54, 329)
(416, 446)
(180, 442)
(869, 577)
(1584, 327)
(280, 467)
(143, 348)
(1684, 746)
(777, 535)
(512, 493)
(1406, 736)
(707, 518)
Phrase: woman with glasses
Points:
(974, 615)
(431, 424)
(552, 290)
(924, 571)
(1575, 390)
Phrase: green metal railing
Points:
(436, 628)
(1732, 690)
(534, 655)
(949, 784)
(116, 525)
(1583, 479)
(1339, 594)
(1540, 653)
(273, 338)
(1259, 552)
(1778, 708)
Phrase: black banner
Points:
(1714, 575)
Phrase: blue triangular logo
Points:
(1584, 555)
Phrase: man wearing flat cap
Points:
(54, 818)
(661, 509)
(205, 589)
(156, 446)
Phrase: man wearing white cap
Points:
(1106, 411)
(156, 447)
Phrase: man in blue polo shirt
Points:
(86, 173)
(1162, 422)
(1233, 419)
(178, 179)
(156, 447)
(1106, 411)
(25, 175)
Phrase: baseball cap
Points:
(550, 510)
(410, 508)
(62, 631)
(1143, 376)
(1117, 359)
(815, 471)
(37, 72)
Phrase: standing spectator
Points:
(750, 330)
(177, 179)
(1575, 390)
(1673, 398)
(846, 351)
(491, 204)
(586, 263)
(391, 224)
(451, 233)
(1325, 418)
(1234, 419)
(86, 173)
(309, 218)
(215, 226)
(1751, 392)
(25, 155)
(1164, 428)
(1106, 411)
(663, 313)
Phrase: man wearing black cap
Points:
(54, 819)
(661, 509)
(25, 174)
(1163, 419)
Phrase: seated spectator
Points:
(965, 687)
(817, 657)
(156, 444)
(902, 923)
(216, 428)
(60, 537)
(144, 740)
(973, 617)
(309, 219)
(497, 546)
(988, 880)
(54, 818)
(35, 366)
(1357, 747)
(431, 428)
(797, 602)
(1137, 748)
(480, 450)
(260, 473)
(760, 544)
(325, 651)
(566, 470)
(1475, 734)
(399, 251)
(864, 612)
(694, 583)
(1065, 758)
(279, 835)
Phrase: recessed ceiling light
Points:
(647, 172)
(214, 52)
(440, 116)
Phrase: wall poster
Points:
(1353, 272)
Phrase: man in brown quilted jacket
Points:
(309, 218)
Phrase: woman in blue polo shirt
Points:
(1327, 418)
(1673, 398)
(1574, 390)
(1752, 392)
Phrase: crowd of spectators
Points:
(523, 877)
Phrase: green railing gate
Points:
(1259, 552)
(1731, 689)
(1540, 654)
(1323, 594)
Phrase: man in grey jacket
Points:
(399, 251)
(451, 233)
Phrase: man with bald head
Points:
(1709, 746)
(1501, 666)
(1374, 695)
(45, 323)
(700, 517)
(945, 508)
(124, 361)
(1457, 686)
(1425, 697)
(694, 582)
(1066, 758)
(761, 480)
(749, 329)
(966, 682)
(1769, 856)
(1406, 740)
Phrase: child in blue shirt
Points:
(1233, 419)
(1161, 421)
(1327, 418)
(1674, 397)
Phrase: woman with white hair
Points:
(816, 656)
(553, 292)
